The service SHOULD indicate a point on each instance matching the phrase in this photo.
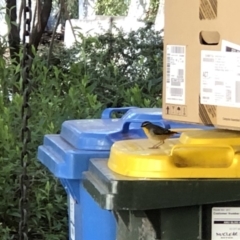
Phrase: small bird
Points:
(155, 132)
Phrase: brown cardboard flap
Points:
(207, 114)
(209, 37)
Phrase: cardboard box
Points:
(201, 67)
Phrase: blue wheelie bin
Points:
(67, 155)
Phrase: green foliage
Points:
(112, 7)
(120, 8)
(153, 10)
(100, 72)
(118, 67)
(71, 6)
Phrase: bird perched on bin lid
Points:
(156, 132)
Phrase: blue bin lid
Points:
(144, 114)
(63, 160)
(90, 134)
(100, 134)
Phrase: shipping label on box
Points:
(229, 46)
(175, 77)
(220, 78)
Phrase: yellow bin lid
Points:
(196, 154)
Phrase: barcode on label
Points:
(207, 90)
(177, 49)
(175, 82)
(177, 92)
(175, 74)
(180, 72)
(218, 83)
(229, 49)
(237, 92)
(168, 68)
(228, 95)
(208, 59)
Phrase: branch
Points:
(20, 16)
(53, 36)
(70, 22)
(13, 33)
(38, 30)
(35, 13)
(39, 4)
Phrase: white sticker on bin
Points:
(72, 209)
(226, 223)
(72, 231)
(175, 74)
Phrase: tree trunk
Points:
(43, 15)
(43, 12)
(13, 35)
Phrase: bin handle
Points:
(126, 124)
(192, 155)
(125, 127)
(107, 112)
(200, 146)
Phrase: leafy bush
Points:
(105, 71)
(118, 68)
(120, 8)
(112, 7)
